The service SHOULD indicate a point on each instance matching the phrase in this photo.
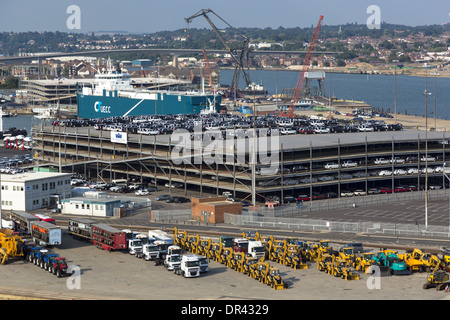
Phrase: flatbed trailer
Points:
(45, 233)
(108, 238)
(22, 221)
(81, 228)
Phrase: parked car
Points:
(385, 173)
(413, 171)
(385, 190)
(347, 193)
(412, 188)
(373, 191)
(400, 189)
(162, 197)
(303, 197)
(399, 172)
(142, 192)
(331, 165)
(397, 160)
(359, 192)
(289, 199)
(428, 158)
(349, 164)
(381, 161)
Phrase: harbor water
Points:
(375, 90)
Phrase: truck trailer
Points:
(46, 234)
(22, 221)
(108, 238)
(81, 228)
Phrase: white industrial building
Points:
(90, 206)
(33, 190)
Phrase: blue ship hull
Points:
(94, 106)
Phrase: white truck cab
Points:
(256, 249)
(189, 267)
(204, 265)
(173, 258)
(135, 245)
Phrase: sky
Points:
(148, 16)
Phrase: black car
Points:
(289, 199)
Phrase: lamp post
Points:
(426, 93)
(447, 171)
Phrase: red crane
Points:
(208, 72)
(301, 80)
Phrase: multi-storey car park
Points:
(313, 166)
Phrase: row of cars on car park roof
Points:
(9, 165)
(347, 193)
(166, 124)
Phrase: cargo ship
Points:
(112, 94)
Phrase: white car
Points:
(347, 194)
(381, 161)
(326, 178)
(349, 164)
(359, 192)
(365, 128)
(321, 130)
(399, 172)
(331, 165)
(427, 170)
(427, 158)
(142, 192)
(439, 169)
(397, 160)
(413, 171)
(288, 131)
(385, 173)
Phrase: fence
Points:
(171, 215)
(342, 203)
(390, 228)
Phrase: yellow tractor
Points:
(203, 247)
(308, 252)
(11, 245)
(348, 255)
(363, 263)
(234, 260)
(247, 263)
(323, 261)
(292, 258)
(271, 276)
(439, 279)
(179, 238)
(224, 254)
(257, 270)
(211, 250)
(338, 268)
(323, 246)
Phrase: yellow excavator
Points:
(11, 245)
(439, 279)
